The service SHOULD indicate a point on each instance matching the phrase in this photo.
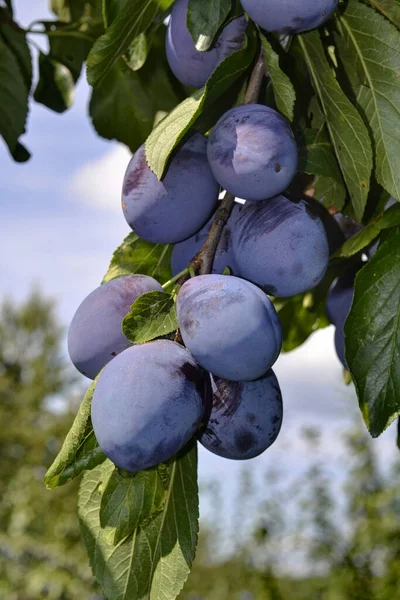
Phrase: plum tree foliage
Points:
(296, 115)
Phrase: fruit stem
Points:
(175, 279)
(205, 257)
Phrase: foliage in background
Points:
(42, 555)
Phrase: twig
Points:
(203, 261)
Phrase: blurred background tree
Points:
(304, 543)
(42, 555)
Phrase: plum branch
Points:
(203, 261)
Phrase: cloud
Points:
(98, 183)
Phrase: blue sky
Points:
(61, 221)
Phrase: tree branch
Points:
(204, 259)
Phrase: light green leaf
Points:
(168, 133)
(128, 500)
(55, 88)
(390, 218)
(133, 19)
(372, 337)
(371, 45)
(204, 19)
(347, 131)
(137, 52)
(153, 563)
(152, 315)
(389, 8)
(80, 450)
(137, 256)
(316, 157)
(14, 95)
(284, 93)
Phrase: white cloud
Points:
(98, 183)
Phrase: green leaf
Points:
(80, 450)
(372, 333)
(204, 19)
(137, 256)
(371, 46)
(316, 157)
(284, 93)
(128, 501)
(302, 315)
(16, 41)
(73, 10)
(152, 315)
(390, 218)
(125, 104)
(55, 88)
(168, 133)
(347, 131)
(111, 9)
(14, 95)
(153, 563)
(137, 52)
(133, 19)
(389, 8)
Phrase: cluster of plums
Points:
(193, 68)
(151, 399)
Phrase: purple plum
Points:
(252, 152)
(173, 209)
(95, 335)
(190, 66)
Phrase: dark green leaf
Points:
(55, 88)
(153, 563)
(316, 157)
(14, 95)
(128, 501)
(165, 137)
(137, 256)
(16, 41)
(125, 104)
(284, 93)
(390, 218)
(72, 10)
(204, 19)
(70, 51)
(80, 450)
(389, 8)
(371, 46)
(133, 19)
(372, 333)
(347, 131)
(152, 315)
(110, 10)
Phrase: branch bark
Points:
(203, 261)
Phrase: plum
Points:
(95, 334)
(173, 209)
(340, 296)
(289, 16)
(245, 419)
(190, 66)
(334, 233)
(338, 305)
(186, 250)
(280, 245)
(252, 152)
(148, 403)
(229, 326)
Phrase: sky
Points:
(60, 222)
